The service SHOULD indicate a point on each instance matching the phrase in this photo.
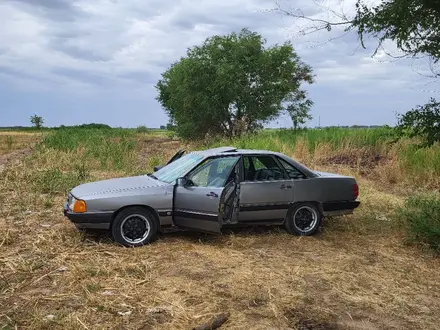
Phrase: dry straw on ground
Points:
(355, 274)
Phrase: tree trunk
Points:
(295, 125)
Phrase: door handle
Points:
(212, 194)
(283, 186)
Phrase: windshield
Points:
(178, 168)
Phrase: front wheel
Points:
(134, 226)
(303, 219)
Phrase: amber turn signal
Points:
(79, 206)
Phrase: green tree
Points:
(230, 85)
(298, 109)
(414, 25)
(422, 122)
(37, 121)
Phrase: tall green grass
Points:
(68, 139)
(420, 162)
(421, 218)
(115, 149)
(336, 137)
(109, 146)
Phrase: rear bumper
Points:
(89, 220)
(339, 207)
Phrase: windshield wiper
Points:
(153, 176)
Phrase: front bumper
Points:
(89, 220)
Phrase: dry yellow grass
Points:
(355, 274)
(11, 141)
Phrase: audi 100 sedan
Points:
(210, 189)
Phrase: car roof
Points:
(234, 151)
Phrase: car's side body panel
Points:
(265, 200)
(323, 189)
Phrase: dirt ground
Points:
(357, 273)
(14, 156)
(13, 141)
(15, 145)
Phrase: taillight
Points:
(355, 190)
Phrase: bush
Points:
(421, 217)
(423, 122)
(142, 129)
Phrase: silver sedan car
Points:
(210, 189)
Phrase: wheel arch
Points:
(146, 207)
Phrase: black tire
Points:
(134, 226)
(308, 219)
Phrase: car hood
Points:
(115, 186)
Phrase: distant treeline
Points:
(30, 128)
(329, 127)
(357, 126)
(83, 126)
(162, 127)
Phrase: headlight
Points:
(77, 205)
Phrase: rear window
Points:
(291, 170)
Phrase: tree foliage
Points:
(422, 122)
(298, 109)
(37, 121)
(230, 85)
(414, 25)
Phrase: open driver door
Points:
(201, 203)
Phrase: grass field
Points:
(359, 272)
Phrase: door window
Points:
(213, 172)
(293, 172)
(262, 168)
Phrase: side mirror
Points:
(181, 181)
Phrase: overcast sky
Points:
(85, 61)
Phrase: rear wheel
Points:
(134, 226)
(303, 219)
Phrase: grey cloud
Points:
(91, 54)
(183, 22)
(142, 77)
(231, 21)
(49, 4)
(62, 10)
(62, 39)
(82, 76)
(8, 71)
(142, 9)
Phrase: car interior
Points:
(218, 173)
(262, 168)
